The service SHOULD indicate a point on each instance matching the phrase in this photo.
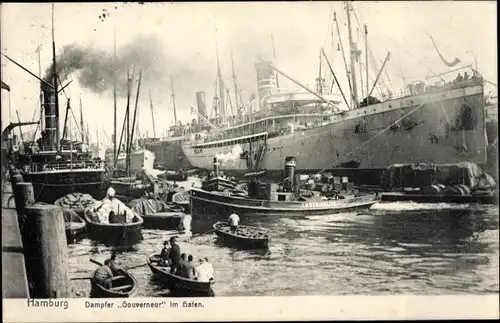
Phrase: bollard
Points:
(46, 251)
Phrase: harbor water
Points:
(391, 248)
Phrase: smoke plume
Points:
(94, 67)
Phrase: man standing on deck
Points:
(175, 255)
(233, 221)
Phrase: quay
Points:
(34, 250)
(14, 277)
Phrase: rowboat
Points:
(176, 284)
(115, 233)
(244, 236)
(123, 284)
(74, 225)
(164, 220)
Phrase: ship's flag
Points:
(5, 86)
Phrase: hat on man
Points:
(165, 242)
(173, 239)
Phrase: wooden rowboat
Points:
(164, 220)
(244, 236)
(74, 225)
(115, 233)
(177, 285)
(123, 284)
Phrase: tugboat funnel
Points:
(289, 181)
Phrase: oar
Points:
(96, 262)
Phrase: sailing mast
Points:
(81, 119)
(353, 56)
(274, 59)
(114, 96)
(152, 113)
(235, 86)
(56, 92)
(173, 100)
(222, 107)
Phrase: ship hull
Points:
(438, 127)
(169, 154)
(50, 186)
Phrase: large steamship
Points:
(423, 124)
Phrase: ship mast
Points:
(274, 59)
(366, 60)
(114, 96)
(54, 76)
(173, 100)
(81, 119)
(353, 55)
(152, 113)
(222, 107)
(235, 86)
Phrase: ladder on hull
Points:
(260, 155)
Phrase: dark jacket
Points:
(165, 253)
(175, 254)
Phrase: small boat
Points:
(244, 236)
(123, 284)
(177, 176)
(178, 285)
(164, 220)
(74, 225)
(116, 233)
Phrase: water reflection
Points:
(377, 251)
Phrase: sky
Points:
(178, 41)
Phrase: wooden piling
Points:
(23, 196)
(46, 251)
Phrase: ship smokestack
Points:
(289, 182)
(49, 139)
(201, 104)
(266, 81)
(216, 167)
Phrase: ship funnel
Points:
(266, 80)
(201, 104)
(215, 168)
(289, 182)
(49, 138)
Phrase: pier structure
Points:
(34, 247)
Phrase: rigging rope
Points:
(378, 134)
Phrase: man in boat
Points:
(182, 262)
(188, 270)
(165, 253)
(204, 271)
(175, 255)
(104, 274)
(233, 220)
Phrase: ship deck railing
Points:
(65, 165)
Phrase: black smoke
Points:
(93, 67)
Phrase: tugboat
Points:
(288, 198)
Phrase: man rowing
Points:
(105, 273)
